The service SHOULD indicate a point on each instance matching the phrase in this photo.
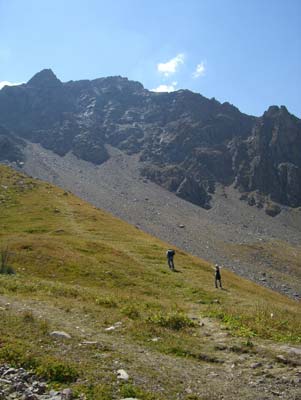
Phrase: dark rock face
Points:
(10, 146)
(269, 161)
(188, 143)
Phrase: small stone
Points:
(213, 374)
(29, 396)
(122, 374)
(53, 393)
(89, 343)
(20, 387)
(256, 365)
(67, 394)
(5, 381)
(60, 335)
(281, 358)
(39, 387)
(110, 328)
(9, 372)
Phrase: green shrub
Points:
(58, 371)
(93, 391)
(4, 267)
(265, 321)
(106, 301)
(175, 320)
(130, 311)
(17, 356)
(128, 390)
(28, 316)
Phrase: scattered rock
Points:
(39, 387)
(281, 358)
(67, 394)
(9, 372)
(256, 365)
(130, 398)
(60, 335)
(123, 375)
(110, 328)
(113, 327)
(20, 384)
(89, 343)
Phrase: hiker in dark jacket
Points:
(218, 277)
(170, 254)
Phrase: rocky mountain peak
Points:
(118, 83)
(275, 111)
(44, 78)
(188, 143)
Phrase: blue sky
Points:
(247, 52)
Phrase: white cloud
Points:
(171, 66)
(200, 70)
(166, 88)
(6, 83)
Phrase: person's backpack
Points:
(170, 253)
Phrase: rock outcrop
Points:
(269, 160)
(187, 143)
(10, 146)
(19, 384)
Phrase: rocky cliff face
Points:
(187, 142)
(269, 160)
(10, 146)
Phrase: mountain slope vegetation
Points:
(106, 283)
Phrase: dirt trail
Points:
(224, 370)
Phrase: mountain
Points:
(92, 295)
(186, 143)
(10, 146)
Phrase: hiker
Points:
(170, 254)
(218, 276)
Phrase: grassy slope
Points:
(81, 270)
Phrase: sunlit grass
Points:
(77, 266)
